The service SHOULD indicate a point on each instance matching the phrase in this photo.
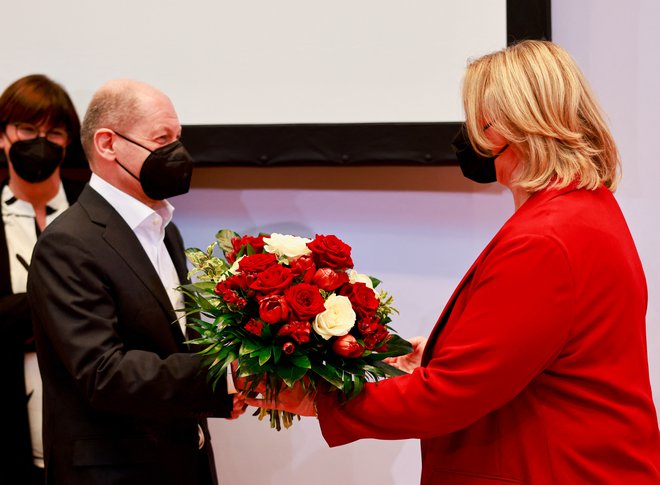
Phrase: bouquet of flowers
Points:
(284, 309)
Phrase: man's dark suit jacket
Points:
(16, 336)
(123, 394)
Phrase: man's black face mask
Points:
(474, 166)
(166, 172)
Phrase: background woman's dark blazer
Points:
(16, 337)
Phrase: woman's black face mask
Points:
(474, 166)
(35, 160)
(166, 172)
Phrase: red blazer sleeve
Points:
(514, 316)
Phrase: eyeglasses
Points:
(28, 131)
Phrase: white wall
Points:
(289, 61)
(419, 229)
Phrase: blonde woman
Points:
(537, 370)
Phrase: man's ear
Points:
(104, 143)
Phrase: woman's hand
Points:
(411, 361)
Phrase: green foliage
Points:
(224, 237)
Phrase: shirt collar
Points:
(129, 208)
(12, 205)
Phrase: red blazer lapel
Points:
(537, 199)
(444, 316)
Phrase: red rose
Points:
(220, 288)
(368, 325)
(376, 338)
(298, 331)
(305, 300)
(362, 298)
(256, 263)
(328, 279)
(303, 266)
(273, 308)
(288, 348)
(273, 279)
(330, 251)
(347, 346)
(228, 295)
(254, 326)
(237, 243)
(239, 281)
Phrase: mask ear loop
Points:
(134, 143)
(501, 151)
(127, 170)
(488, 125)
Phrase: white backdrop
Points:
(229, 62)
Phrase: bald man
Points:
(125, 398)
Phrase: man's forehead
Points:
(158, 113)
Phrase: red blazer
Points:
(537, 370)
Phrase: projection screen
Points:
(278, 83)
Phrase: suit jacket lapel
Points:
(123, 240)
(177, 253)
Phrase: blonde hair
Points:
(536, 97)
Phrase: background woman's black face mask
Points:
(166, 172)
(474, 166)
(35, 160)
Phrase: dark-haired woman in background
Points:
(37, 123)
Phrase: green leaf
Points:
(389, 370)
(330, 374)
(224, 237)
(301, 361)
(356, 388)
(201, 287)
(223, 320)
(249, 347)
(210, 248)
(249, 366)
(395, 346)
(222, 355)
(264, 355)
(291, 374)
(266, 332)
(203, 304)
(277, 353)
(374, 281)
(196, 256)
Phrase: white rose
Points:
(231, 271)
(337, 319)
(355, 277)
(234, 267)
(287, 246)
